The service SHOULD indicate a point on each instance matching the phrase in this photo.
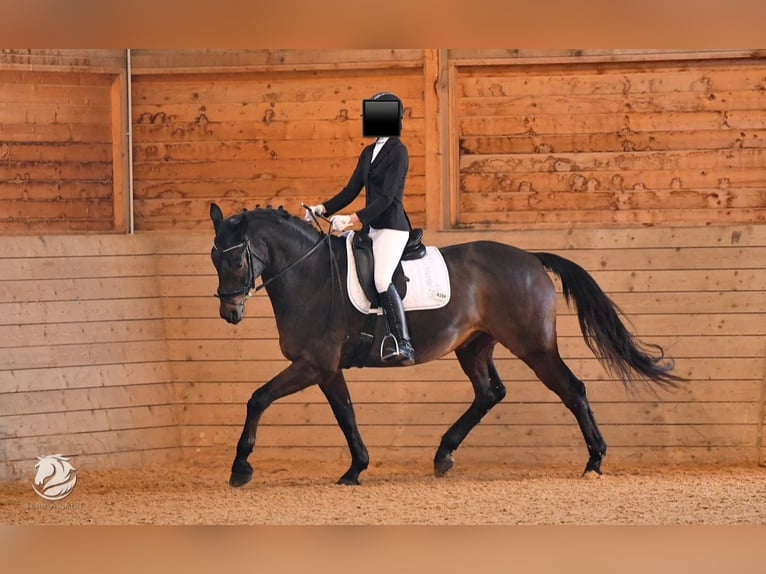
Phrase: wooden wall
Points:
(110, 345)
(679, 142)
(83, 359)
(261, 128)
(697, 291)
(62, 141)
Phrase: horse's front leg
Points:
(338, 396)
(294, 378)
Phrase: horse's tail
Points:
(621, 353)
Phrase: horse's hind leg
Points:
(476, 359)
(337, 395)
(554, 373)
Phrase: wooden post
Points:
(435, 90)
(120, 152)
(451, 129)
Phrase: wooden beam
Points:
(435, 90)
(120, 168)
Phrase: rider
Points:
(382, 170)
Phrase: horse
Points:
(500, 294)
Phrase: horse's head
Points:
(236, 261)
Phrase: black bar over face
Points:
(381, 118)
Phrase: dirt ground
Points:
(304, 493)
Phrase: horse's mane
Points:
(279, 215)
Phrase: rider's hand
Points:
(316, 210)
(340, 222)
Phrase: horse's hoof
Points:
(348, 481)
(592, 475)
(443, 466)
(238, 479)
(592, 470)
(241, 474)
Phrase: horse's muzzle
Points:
(231, 313)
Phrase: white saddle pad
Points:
(428, 286)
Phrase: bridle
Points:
(249, 286)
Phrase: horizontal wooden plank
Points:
(601, 122)
(83, 332)
(149, 61)
(570, 347)
(83, 399)
(584, 181)
(671, 325)
(588, 369)
(420, 458)
(648, 436)
(542, 414)
(618, 281)
(14, 130)
(82, 246)
(613, 161)
(39, 88)
(639, 102)
(576, 238)
(262, 149)
(256, 112)
(85, 171)
(66, 59)
(236, 88)
(97, 266)
(575, 202)
(90, 443)
(34, 112)
(719, 139)
(98, 209)
(82, 355)
(521, 392)
(81, 289)
(87, 421)
(20, 313)
(77, 377)
(33, 191)
(566, 239)
(611, 217)
(198, 209)
(136, 458)
(201, 129)
(737, 302)
(615, 79)
(266, 168)
(593, 260)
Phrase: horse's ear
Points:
(216, 215)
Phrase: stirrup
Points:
(395, 356)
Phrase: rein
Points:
(227, 296)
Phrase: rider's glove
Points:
(316, 210)
(340, 222)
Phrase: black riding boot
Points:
(396, 346)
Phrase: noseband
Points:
(228, 296)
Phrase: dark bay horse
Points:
(500, 294)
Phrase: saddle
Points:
(365, 265)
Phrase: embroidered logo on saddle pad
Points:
(428, 286)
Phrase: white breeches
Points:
(387, 248)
